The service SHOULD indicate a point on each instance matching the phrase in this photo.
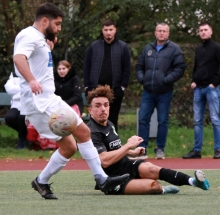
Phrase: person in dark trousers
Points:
(205, 84)
(13, 117)
(113, 154)
(159, 66)
(108, 62)
(68, 85)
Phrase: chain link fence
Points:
(181, 111)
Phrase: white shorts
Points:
(40, 120)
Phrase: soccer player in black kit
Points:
(144, 175)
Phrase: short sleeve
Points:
(97, 141)
(24, 44)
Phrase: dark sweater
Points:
(207, 61)
(106, 69)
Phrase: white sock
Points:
(90, 154)
(191, 181)
(55, 164)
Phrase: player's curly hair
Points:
(100, 91)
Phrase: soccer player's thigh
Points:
(64, 105)
(40, 120)
(143, 186)
(82, 132)
(40, 123)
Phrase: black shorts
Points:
(130, 167)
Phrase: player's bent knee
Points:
(154, 170)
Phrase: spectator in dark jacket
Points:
(205, 84)
(108, 62)
(68, 84)
(160, 64)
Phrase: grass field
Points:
(76, 196)
(179, 141)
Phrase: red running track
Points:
(80, 164)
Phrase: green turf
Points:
(76, 196)
(180, 140)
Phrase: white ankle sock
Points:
(191, 181)
(90, 154)
(55, 164)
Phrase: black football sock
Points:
(174, 177)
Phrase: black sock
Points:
(174, 177)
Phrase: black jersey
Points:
(105, 138)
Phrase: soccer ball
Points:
(62, 122)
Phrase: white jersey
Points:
(32, 43)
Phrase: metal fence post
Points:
(153, 123)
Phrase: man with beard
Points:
(108, 62)
(34, 65)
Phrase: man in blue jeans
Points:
(205, 81)
(160, 64)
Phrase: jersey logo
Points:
(50, 63)
(134, 162)
(115, 144)
(107, 134)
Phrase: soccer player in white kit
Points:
(34, 65)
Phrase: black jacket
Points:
(69, 88)
(121, 63)
(207, 61)
(157, 71)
